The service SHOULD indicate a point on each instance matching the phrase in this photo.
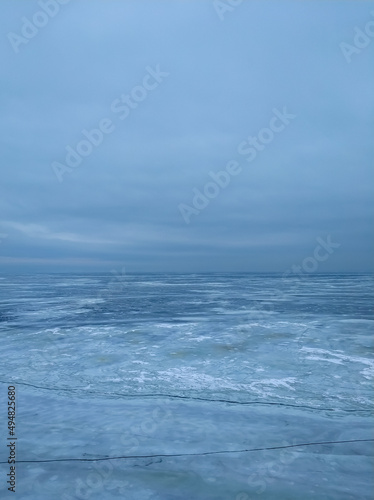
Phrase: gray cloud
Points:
(120, 205)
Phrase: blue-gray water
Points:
(155, 365)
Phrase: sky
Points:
(186, 136)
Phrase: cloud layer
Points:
(214, 83)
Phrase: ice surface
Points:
(184, 365)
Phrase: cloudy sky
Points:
(179, 89)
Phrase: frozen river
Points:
(166, 387)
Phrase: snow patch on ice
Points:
(339, 358)
(201, 338)
(191, 379)
(258, 386)
(329, 360)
